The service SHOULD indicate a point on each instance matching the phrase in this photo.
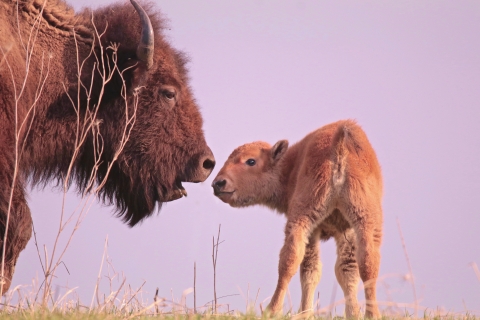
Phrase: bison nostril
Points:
(209, 164)
(220, 183)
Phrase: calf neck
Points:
(329, 185)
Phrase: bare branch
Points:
(411, 279)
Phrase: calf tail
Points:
(342, 144)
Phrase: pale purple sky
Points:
(408, 71)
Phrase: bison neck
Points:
(56, 136)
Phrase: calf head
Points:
(251, 175)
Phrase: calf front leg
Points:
(297, 234)
(310, 272)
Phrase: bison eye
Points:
(170, 95)
(250, 162)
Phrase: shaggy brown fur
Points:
(328, 185)
(166, 145)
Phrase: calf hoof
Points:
(352, 312)
(306, 314)
(272, 311)
(373, 314)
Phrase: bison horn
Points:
(145, 47)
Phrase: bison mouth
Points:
(177, 192)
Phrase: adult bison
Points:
(99, 92)
(328, 185)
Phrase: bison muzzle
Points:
(97, 93)
(328, 185)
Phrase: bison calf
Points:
(328, 185)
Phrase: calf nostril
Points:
(220, 183)
(209, 164)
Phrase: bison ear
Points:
(278, 150)
(138, 74)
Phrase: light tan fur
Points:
(328, 185)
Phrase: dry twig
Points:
(214, 260)
(410, 276)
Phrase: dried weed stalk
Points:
(87, 124)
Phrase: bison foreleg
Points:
(18, 234)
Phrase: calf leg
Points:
(367, 224)
(292, 253)
(346, 270)
(302, 222)
(310, 272)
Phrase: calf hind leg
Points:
(368, 231)
(310, 272)
(346, 271)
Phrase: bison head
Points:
(166, 146)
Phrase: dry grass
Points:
(80, 313)
(87, 124)
(124, 302)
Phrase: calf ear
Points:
(278, 150)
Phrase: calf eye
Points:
(170, 95)
(250, 162)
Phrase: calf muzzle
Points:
(218, 185)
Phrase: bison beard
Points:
(64, 90)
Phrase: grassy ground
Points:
(33, 315)
(163, 310)
(127, 303)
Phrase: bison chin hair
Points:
(135, 192)
(133, 201)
